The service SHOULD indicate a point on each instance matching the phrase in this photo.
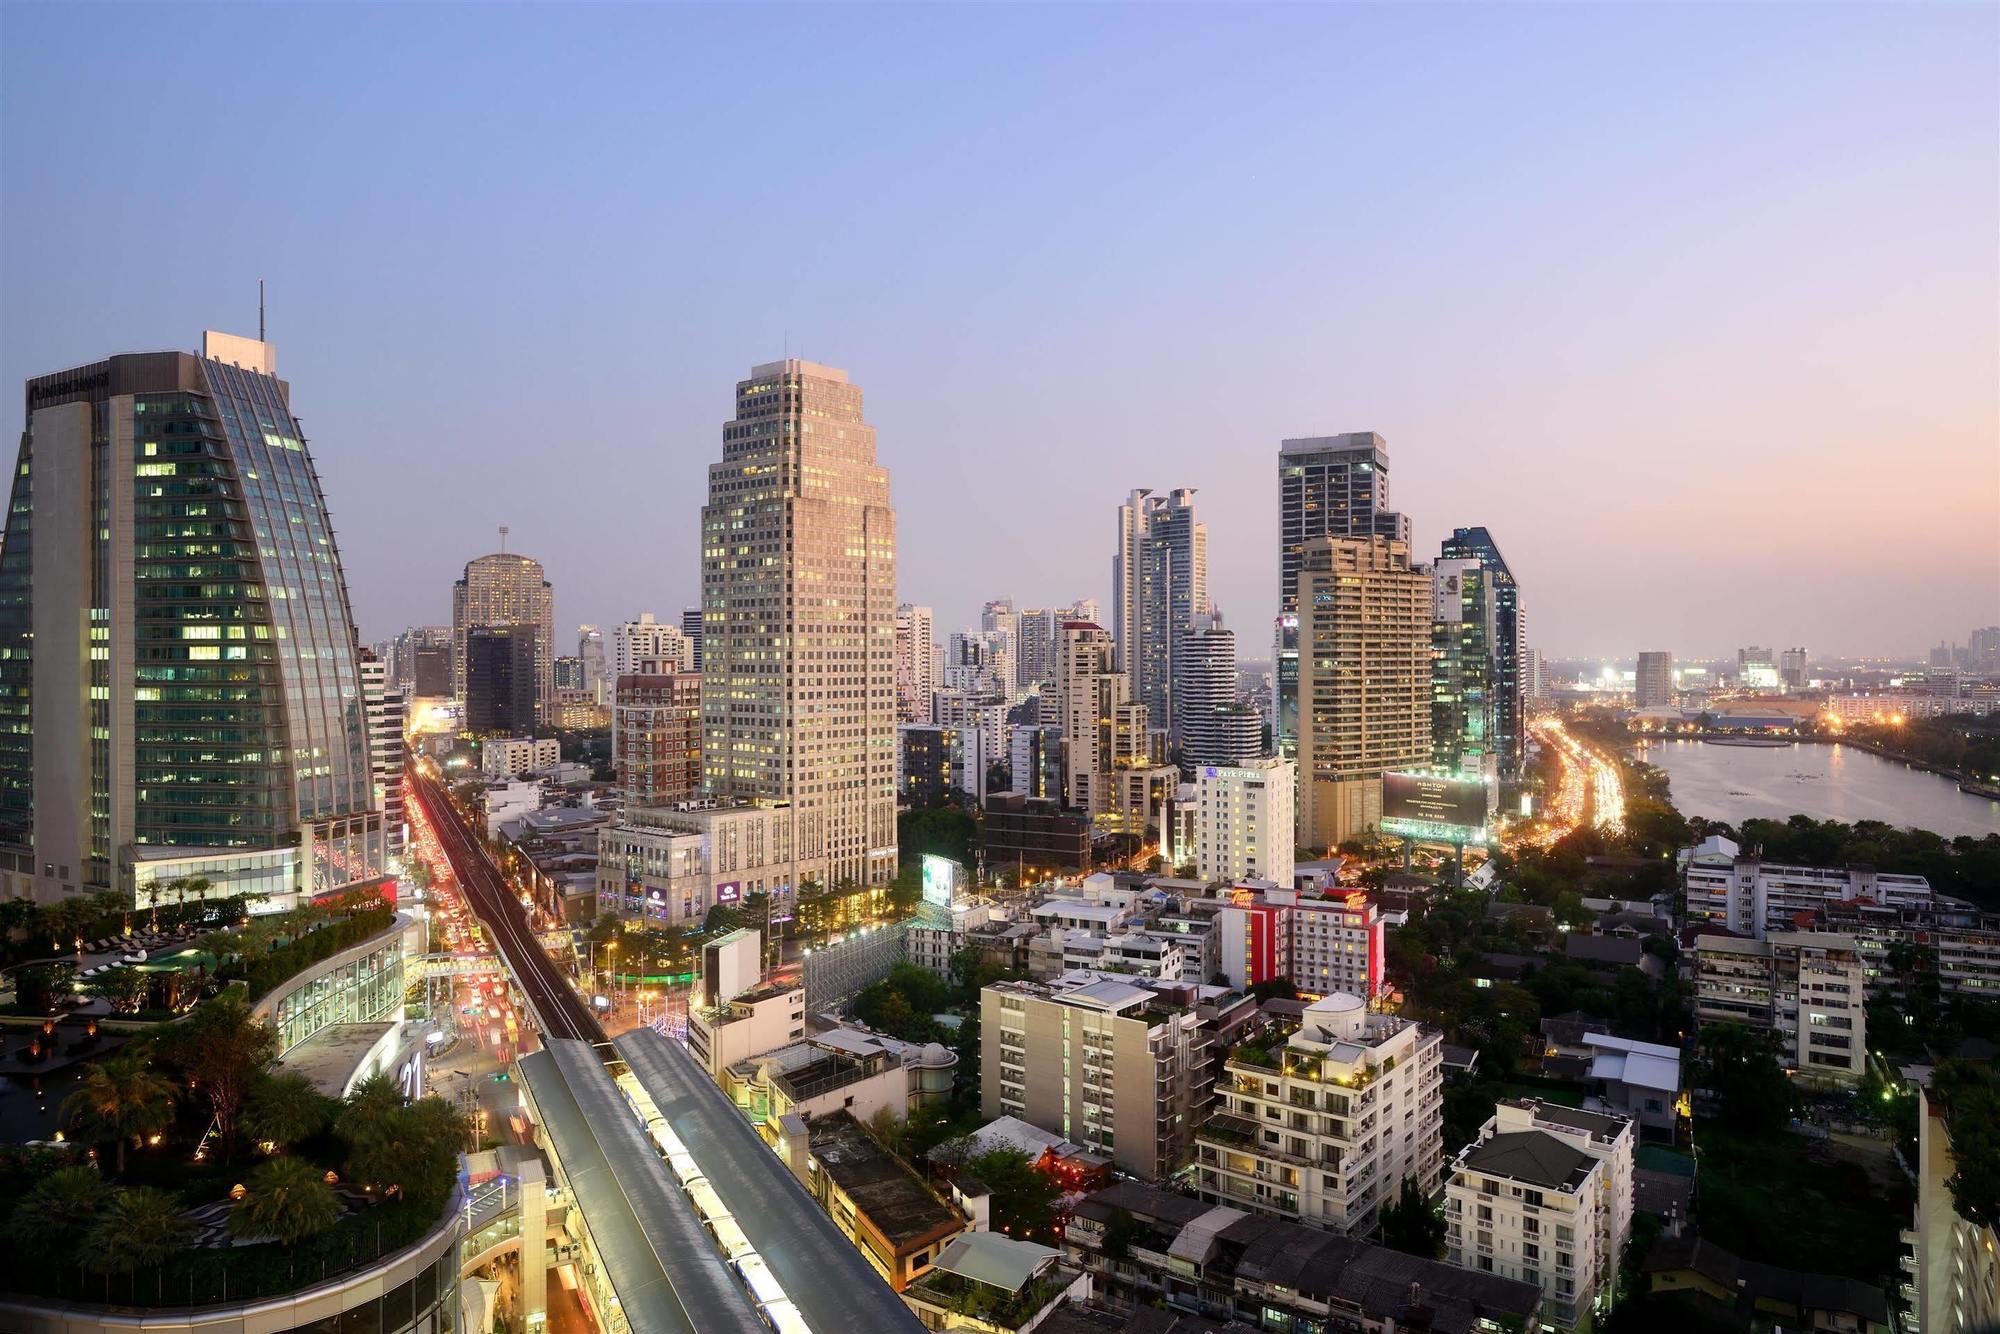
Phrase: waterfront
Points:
(1825, 781)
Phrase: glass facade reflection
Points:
(361, 991)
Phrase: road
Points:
(1590, 790)
(557, 1007)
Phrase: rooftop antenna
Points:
(260, 310)
(503, 537)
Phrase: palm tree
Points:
(288, 1199)
(221, 1048)
(285, 1109)
(120, 1100)
(140, 1229)
(53, 1218)
(369, 1113)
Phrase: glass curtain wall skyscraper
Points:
(180, 686)
(1509, 636)
(1159, 586)
(1328, 486)
(799, 621)
(505, 588)
(1464, 621)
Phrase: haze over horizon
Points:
(1697, 309)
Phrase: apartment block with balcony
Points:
(1807, 986)
(1752, 897)
(1323, 1128)
(1544, 1195)
(1103, 1062)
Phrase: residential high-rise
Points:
(1035, 645)
(1807, 987)
(590, 648)
(656, 736)
(1214, 728)
(156, 724)
(1159, 586)
(569, 675)
(799, 617)
(1088, 689)
(1508, 637)
(1533, 687)
(916, 663)
(500, 669)
(1792, 668)
(384, 704)
(1244, 829)
(691, 625)
(1653, 686)
(1464, 705)
(1328, 486)
(998, 618)
(1364, 681)
(649, 645)
(506, 589)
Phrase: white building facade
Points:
(1244, 821)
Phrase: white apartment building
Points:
(1750, 896)
(916, 663)
(980, 720)
(759, 1020)
(1324, 944)
(1807, 986)
(1324, 1129)
(1244, 821)
(649, 647)
(1544, 1196)
(510, 757)
(1101, 1062)
(384, 706)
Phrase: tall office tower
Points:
(799, 645)
(408, 651)
(590, 648)
(1035, 645)
(1364, 681)
(1792, 668)
(656, 737)
(916, 663)
(1465, 729)
(384, 707)
(1653, 686)
(649, 645)
(1089, 688)
(431, 672)
(1510, 628)
(157, 723)
(507, 589)
(1328, 486)
(1533, 687)
(569, 674)
(500, 668)
(1159, 584)
(1215, 729)
(691, 622)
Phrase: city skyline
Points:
(1682, 358)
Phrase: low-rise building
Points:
(758, 1020)
(1755, 1296)
(673, 863)
(1806, 986)
(1640, 1080)
(880, 1205)
(991, 1283)
(1750, 896)
(1324, 943)
(1544, 1195)
(504, 756)
(1145, 1247)
(1324, 1128)
(842, 1069)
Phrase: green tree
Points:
(284, 1109)
(1023, 1197)
(52, 1219)
(121, 1099)
(124, 987)
(140, 1228)
(1740, 1067)
(1412, 1224)
(287, 1199)
(220, 1049)
(1969, 1096)
(40, 987)
(408, 1151)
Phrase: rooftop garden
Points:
(985, 1302)
(189, 1172)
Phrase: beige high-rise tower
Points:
(506, 589)
(798, 559)
(1364, 680)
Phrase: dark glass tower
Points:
(1509, 720)
(180, 692)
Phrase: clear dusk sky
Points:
(1697, 308)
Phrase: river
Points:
(1827, 782)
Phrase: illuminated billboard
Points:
(942, 879)
(1436, 808)
(729, 892)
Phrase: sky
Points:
(1696, 308)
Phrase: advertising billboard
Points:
(942, 878)
(1438, 807)
(729, 892)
